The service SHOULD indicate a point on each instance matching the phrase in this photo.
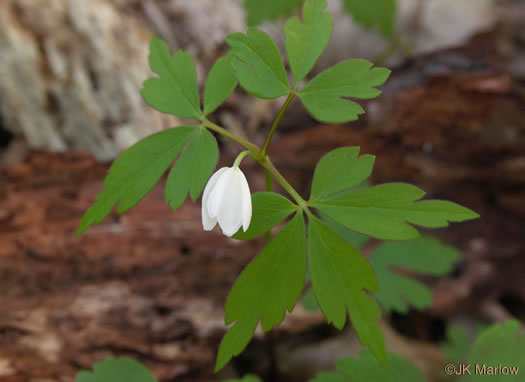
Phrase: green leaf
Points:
(193, 169)
(328, 376)
(258, 64)
(339, 170)
(309, 302)
(175, 92)
(356, 239)
(323, 96)
(501, 348)
(384, 211)
(306, 41)
(116, 369)
(378, 14)
(219, 83)
(424, 255)
(246, 378)
(457, 346)
(339, 276)
(135, 172)
(366, 369)
(258, 11)
(268, 286)
(268, 210)
(353, 238)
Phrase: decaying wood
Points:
(71, 71)
(150, 284)
(137, 285)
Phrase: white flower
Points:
(227, 199)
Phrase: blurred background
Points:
(151, 284)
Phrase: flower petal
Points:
(208, 222)
(216, 193)
(230, 209)
(230, 231)
(246, 202)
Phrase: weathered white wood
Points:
(70, 75)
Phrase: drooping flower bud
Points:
(227, 200)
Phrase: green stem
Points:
(240, 157)
(242, 142)
(268, 178)
(263, 160)
(273, 370)
(276, 124)
(283, 182)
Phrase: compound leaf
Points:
(268, 286)
(423, 255)
(219, 83)
(367, 368)
(135, 172)
(258, 11)
(501, 349)
(258, 64)
(324, 95)
(268, 210)
(384, 211)
(192, 169)
(175, 91)
(307, 40)
(116, 369)
(340, 170)
(340, 274)
(378, 14)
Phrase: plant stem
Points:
(276, 123)
(242, 142)
(256, 153)
(270, 172)
(268, 178)
(273, 369)
(268, 165)
(240, 157)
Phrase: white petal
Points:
(230, 231)
(230, 209)
(217, 192)
(208, 222)
(246, 202)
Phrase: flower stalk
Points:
(257, 154)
